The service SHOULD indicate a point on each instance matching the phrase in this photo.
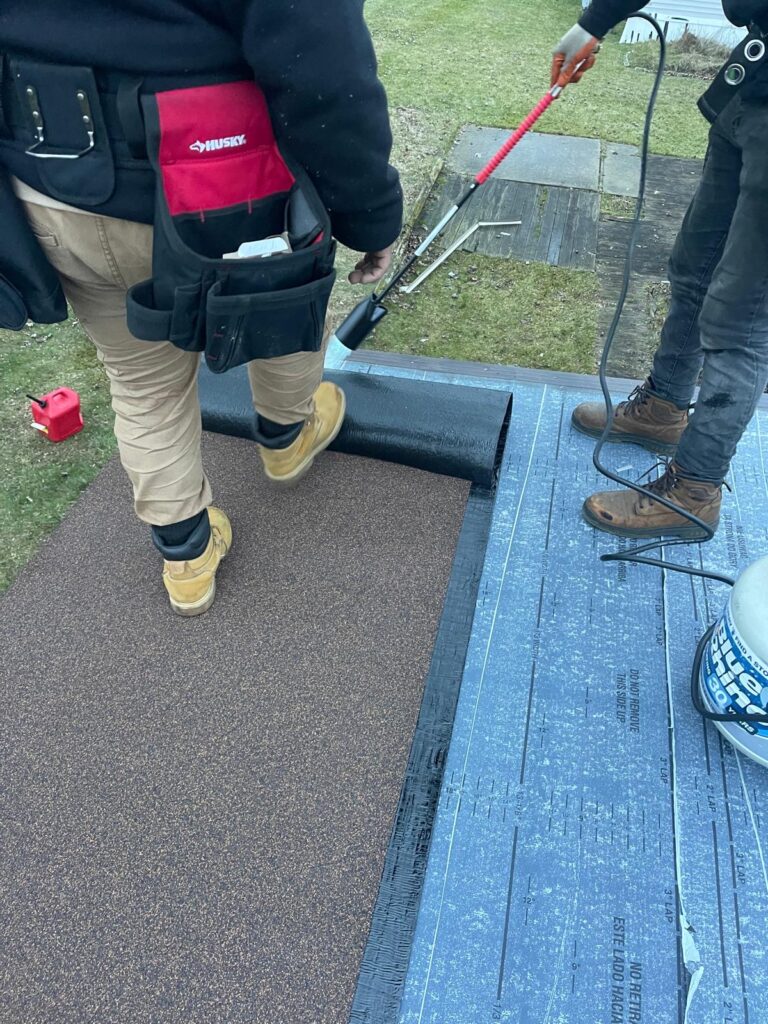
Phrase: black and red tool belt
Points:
(222, 182)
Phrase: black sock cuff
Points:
(276, 435)
(181, 542)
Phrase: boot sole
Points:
(301, 471)
(690, 532)
(657, 447)
(200, 607)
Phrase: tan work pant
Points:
(153, 385)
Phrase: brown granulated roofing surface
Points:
(194, 813)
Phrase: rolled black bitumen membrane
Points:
(443, 428)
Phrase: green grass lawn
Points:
(40, 480)
(488, 63)
(445, 63)
(519, 313)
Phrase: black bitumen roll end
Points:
(447, 429)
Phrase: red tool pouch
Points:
(221, 182)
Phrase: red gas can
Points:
(57, 414)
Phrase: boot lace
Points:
(637, 399)
(664, 485)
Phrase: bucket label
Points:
(735, 680)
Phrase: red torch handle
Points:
(515, 138)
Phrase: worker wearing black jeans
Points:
(718, 318)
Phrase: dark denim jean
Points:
(718, 316)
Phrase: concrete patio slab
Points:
(540, 159)
(621, 170)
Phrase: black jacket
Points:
(603, 15)
(314, 59)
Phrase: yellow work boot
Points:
(288, 465)
(191, 585)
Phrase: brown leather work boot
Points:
(643, 419)
(628, 514)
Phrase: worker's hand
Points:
(576, 47)
(372, 267)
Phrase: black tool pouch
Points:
(222, 182)
(65, 131)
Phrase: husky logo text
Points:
(209, 146)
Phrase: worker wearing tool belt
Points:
(718, 318)
(92, 93)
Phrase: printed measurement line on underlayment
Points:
(752, 818)
(736, 909)
(760, 446)
(486, 657)
(687, 936)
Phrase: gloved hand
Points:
(372, 267)
(576, 47)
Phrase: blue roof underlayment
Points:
(599, 852)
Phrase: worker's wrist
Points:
(373, 230)
(595, 25)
